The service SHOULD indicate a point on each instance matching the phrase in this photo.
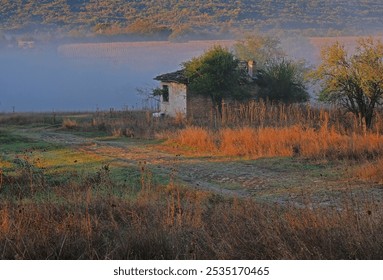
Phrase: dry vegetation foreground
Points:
(113, 186)
(275, 177)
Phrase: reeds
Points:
(268, 114)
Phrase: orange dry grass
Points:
(284, 141)
(371, 171)
(256, 142)
(196, 137)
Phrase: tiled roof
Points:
(180, 77)
(177, 76)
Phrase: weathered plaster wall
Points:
(191, 105)
(177, 100)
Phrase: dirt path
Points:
(279, 180)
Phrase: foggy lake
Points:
(82, 77)
(44, 81)
(95, 76)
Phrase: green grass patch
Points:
(6, 138)
(296, 165)
(12, 142)
(94, 134)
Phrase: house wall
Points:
(177, 99)
(191, 105)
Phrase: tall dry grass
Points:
(196, 137)
(88, 220)
(261, 129)
(254, 114)
(268, 114)
(133, 124)
(283, 141)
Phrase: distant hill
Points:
(182, 18)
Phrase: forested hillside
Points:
(177, 18)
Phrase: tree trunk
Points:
(217, 103)
(368, 118)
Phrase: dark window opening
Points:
(165, 93)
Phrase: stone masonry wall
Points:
(198, 106)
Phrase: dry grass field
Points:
(266, 181)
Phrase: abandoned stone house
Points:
(176, 98)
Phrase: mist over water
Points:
(47, 81)
(89, 77)
(44, 81)
(54, 80)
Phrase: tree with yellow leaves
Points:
(353, 81)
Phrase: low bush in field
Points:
(372, 171)
(70, 124)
